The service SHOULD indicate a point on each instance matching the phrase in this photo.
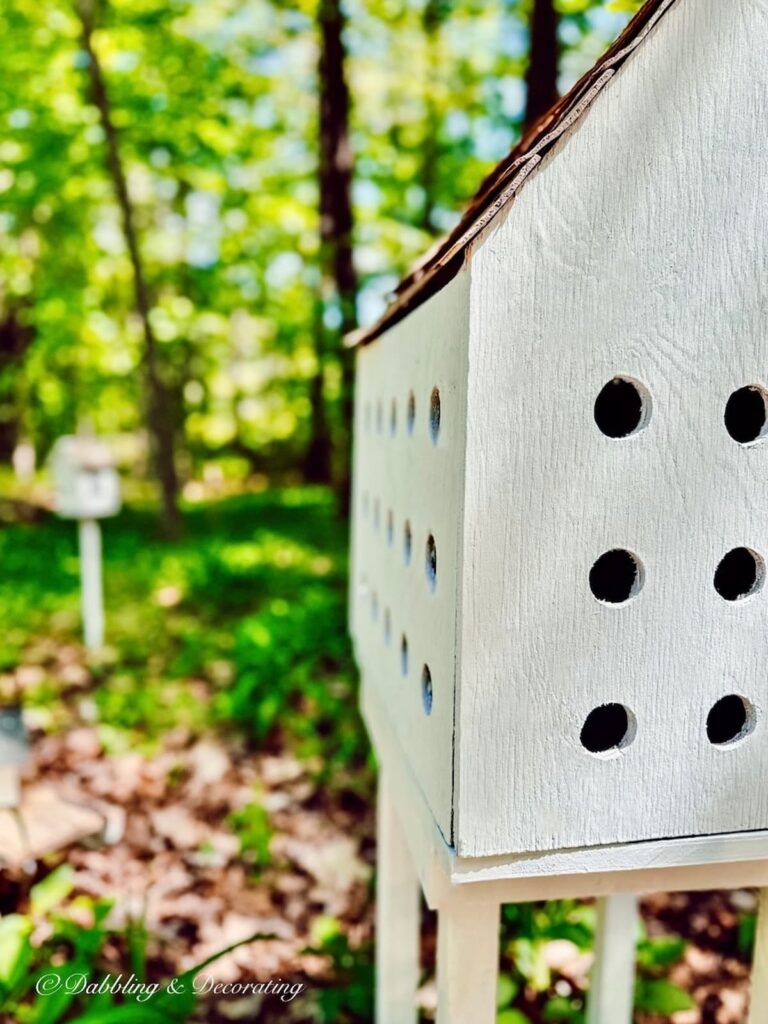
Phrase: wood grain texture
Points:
(639, 248)
(408, 476)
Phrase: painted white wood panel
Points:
(663, 865)
(406, 475)
(639, 248)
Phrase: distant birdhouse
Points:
(86, 481)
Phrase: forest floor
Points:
(219, 737)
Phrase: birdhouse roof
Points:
(441, 263)
(84, 452)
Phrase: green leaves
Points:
(51, 891)
(657, 995)
(15, 952)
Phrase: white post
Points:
(398, 904)
(612, 984)
(92, 598)
(758, 1001)
(467, 962)
(10, 786)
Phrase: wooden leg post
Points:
(92, 598)
(467, 962)
(758, 1001)
(398, 909)
(612, 985)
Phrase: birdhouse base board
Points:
(693, 863)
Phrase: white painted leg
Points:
(10, 786)
(467, 962)
(398, 907)
(612, 984)
(758, 1001)
(92, 598)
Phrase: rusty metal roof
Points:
(441, 263)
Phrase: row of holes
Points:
(430, 547)
(623, 408)
(426, 674)
(612, 727)
(410, 415)
(618, 575)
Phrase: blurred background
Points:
(198, 199)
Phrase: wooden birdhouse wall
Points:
(410, 430)
(638, 251)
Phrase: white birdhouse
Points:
(86, 482)
(560, 490)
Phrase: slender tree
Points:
(541, 75)
(15, 338)
(159, 408)
(318, 458)
(339, 278)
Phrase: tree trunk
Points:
(435, 13)
(318, 461)
(15, 339)
(336, 221)
(541, 76)
(159, 409)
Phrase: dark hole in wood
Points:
(737, 575)
(727, 720)
(615, 576)
(434, 414)
(431, 562)
(407, 542)
(745, 414)
(404, 655)
(619, 408)
(426, 690)
(605, 728)
(410, 415)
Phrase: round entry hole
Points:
(730, 719)
(746, 417)
(616, 576)
(622, 408)
(426, 690)
(739, 574)
(434, 415)
(410, 412)
(607, 727)
(431, 562)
